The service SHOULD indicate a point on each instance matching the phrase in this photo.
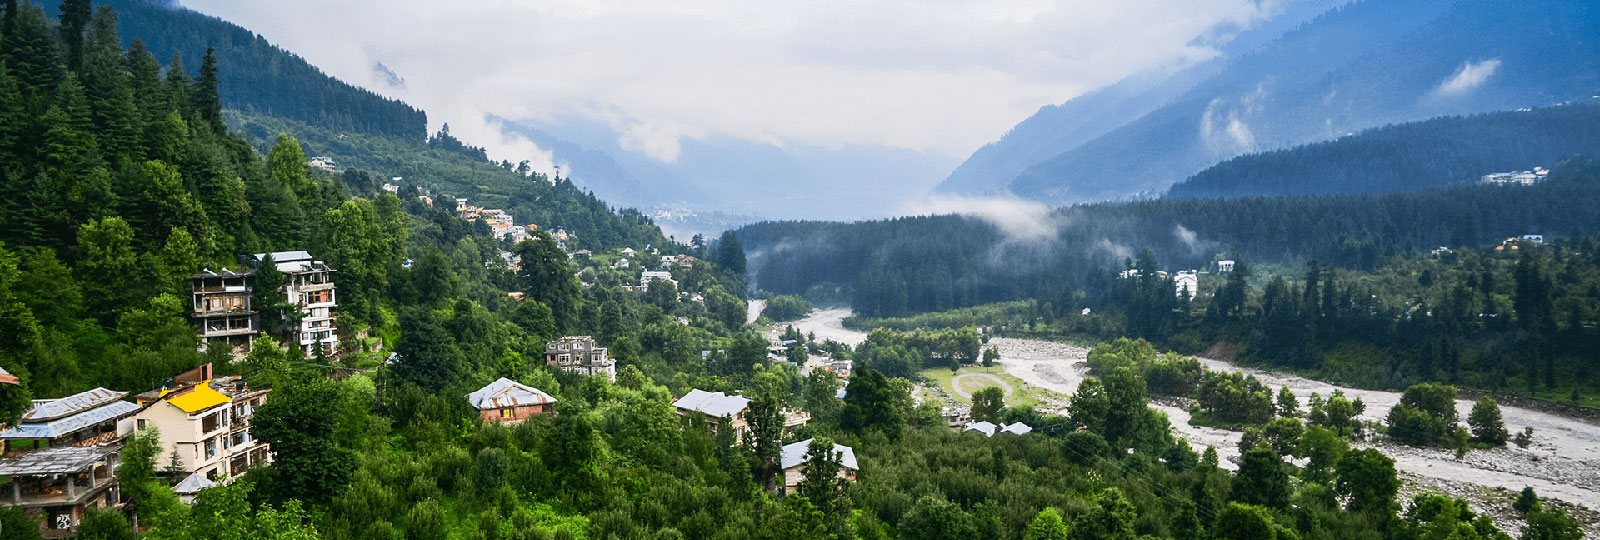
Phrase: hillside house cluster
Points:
(501, 225)
(580, 354)
(1185, 283)
(61, 457)
(1516, 178)
(322, 163)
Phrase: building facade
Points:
(714, 407)
(221, 306)
(794, 463)
(509, 402)
(204, 424)
(579, 354)
(308, 285)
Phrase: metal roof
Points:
(508, 393)
(986, 428)
(286, 256)
(795, 454)
(715, 404)
(59, 460)
(198, 398)
(51, 409)
(193, 483)
(72, 424)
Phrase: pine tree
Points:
(74, 21)
(207, 98)
(111, 100)
(1487, 426)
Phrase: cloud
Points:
(1117, 251)
(1192, 240)
(927, 75)
(1018, 219)
(1469, 76)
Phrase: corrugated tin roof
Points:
(66, 426)
(51, 409)
(198, 398)
(508, 393)
(795, 454)
(193, 483)
(1017, 428)
(986, 428)
(59, 460)
(715, 404)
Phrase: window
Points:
(139, 424)
(210, 423)
(508, 413)
(211, 448)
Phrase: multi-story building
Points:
(221, 302)
(579, 354)
(55, 486)
(61, 458)
(204, 423)
(308, 285)
(86, 418)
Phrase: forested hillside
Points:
(1408, 156)
(120, 182)
(936, 263)
(257, 77)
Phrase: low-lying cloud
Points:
(1019, 220)
(926, 76)
(1468, 77)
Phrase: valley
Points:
(1563, 463)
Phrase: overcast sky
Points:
(931, 75)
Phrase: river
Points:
(1563, 463)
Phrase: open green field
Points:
(961, 384)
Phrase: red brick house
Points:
(509, 402)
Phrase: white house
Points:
(653, 275)
(1224, 266)
(1186, 284)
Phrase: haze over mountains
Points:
(1312, 71)
(1363, 65)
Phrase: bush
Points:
(787, 308)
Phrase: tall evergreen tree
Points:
(207, 98)
(74, 21)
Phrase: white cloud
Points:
(1469, 76)
(1019, 220)
(941, 75)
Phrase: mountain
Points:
(737, 175)
(269, 91)
(1408, 156)
(259, 78)
(1058, 128)
(1363, 65)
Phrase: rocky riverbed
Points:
(1562, 464)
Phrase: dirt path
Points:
(956, 383)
